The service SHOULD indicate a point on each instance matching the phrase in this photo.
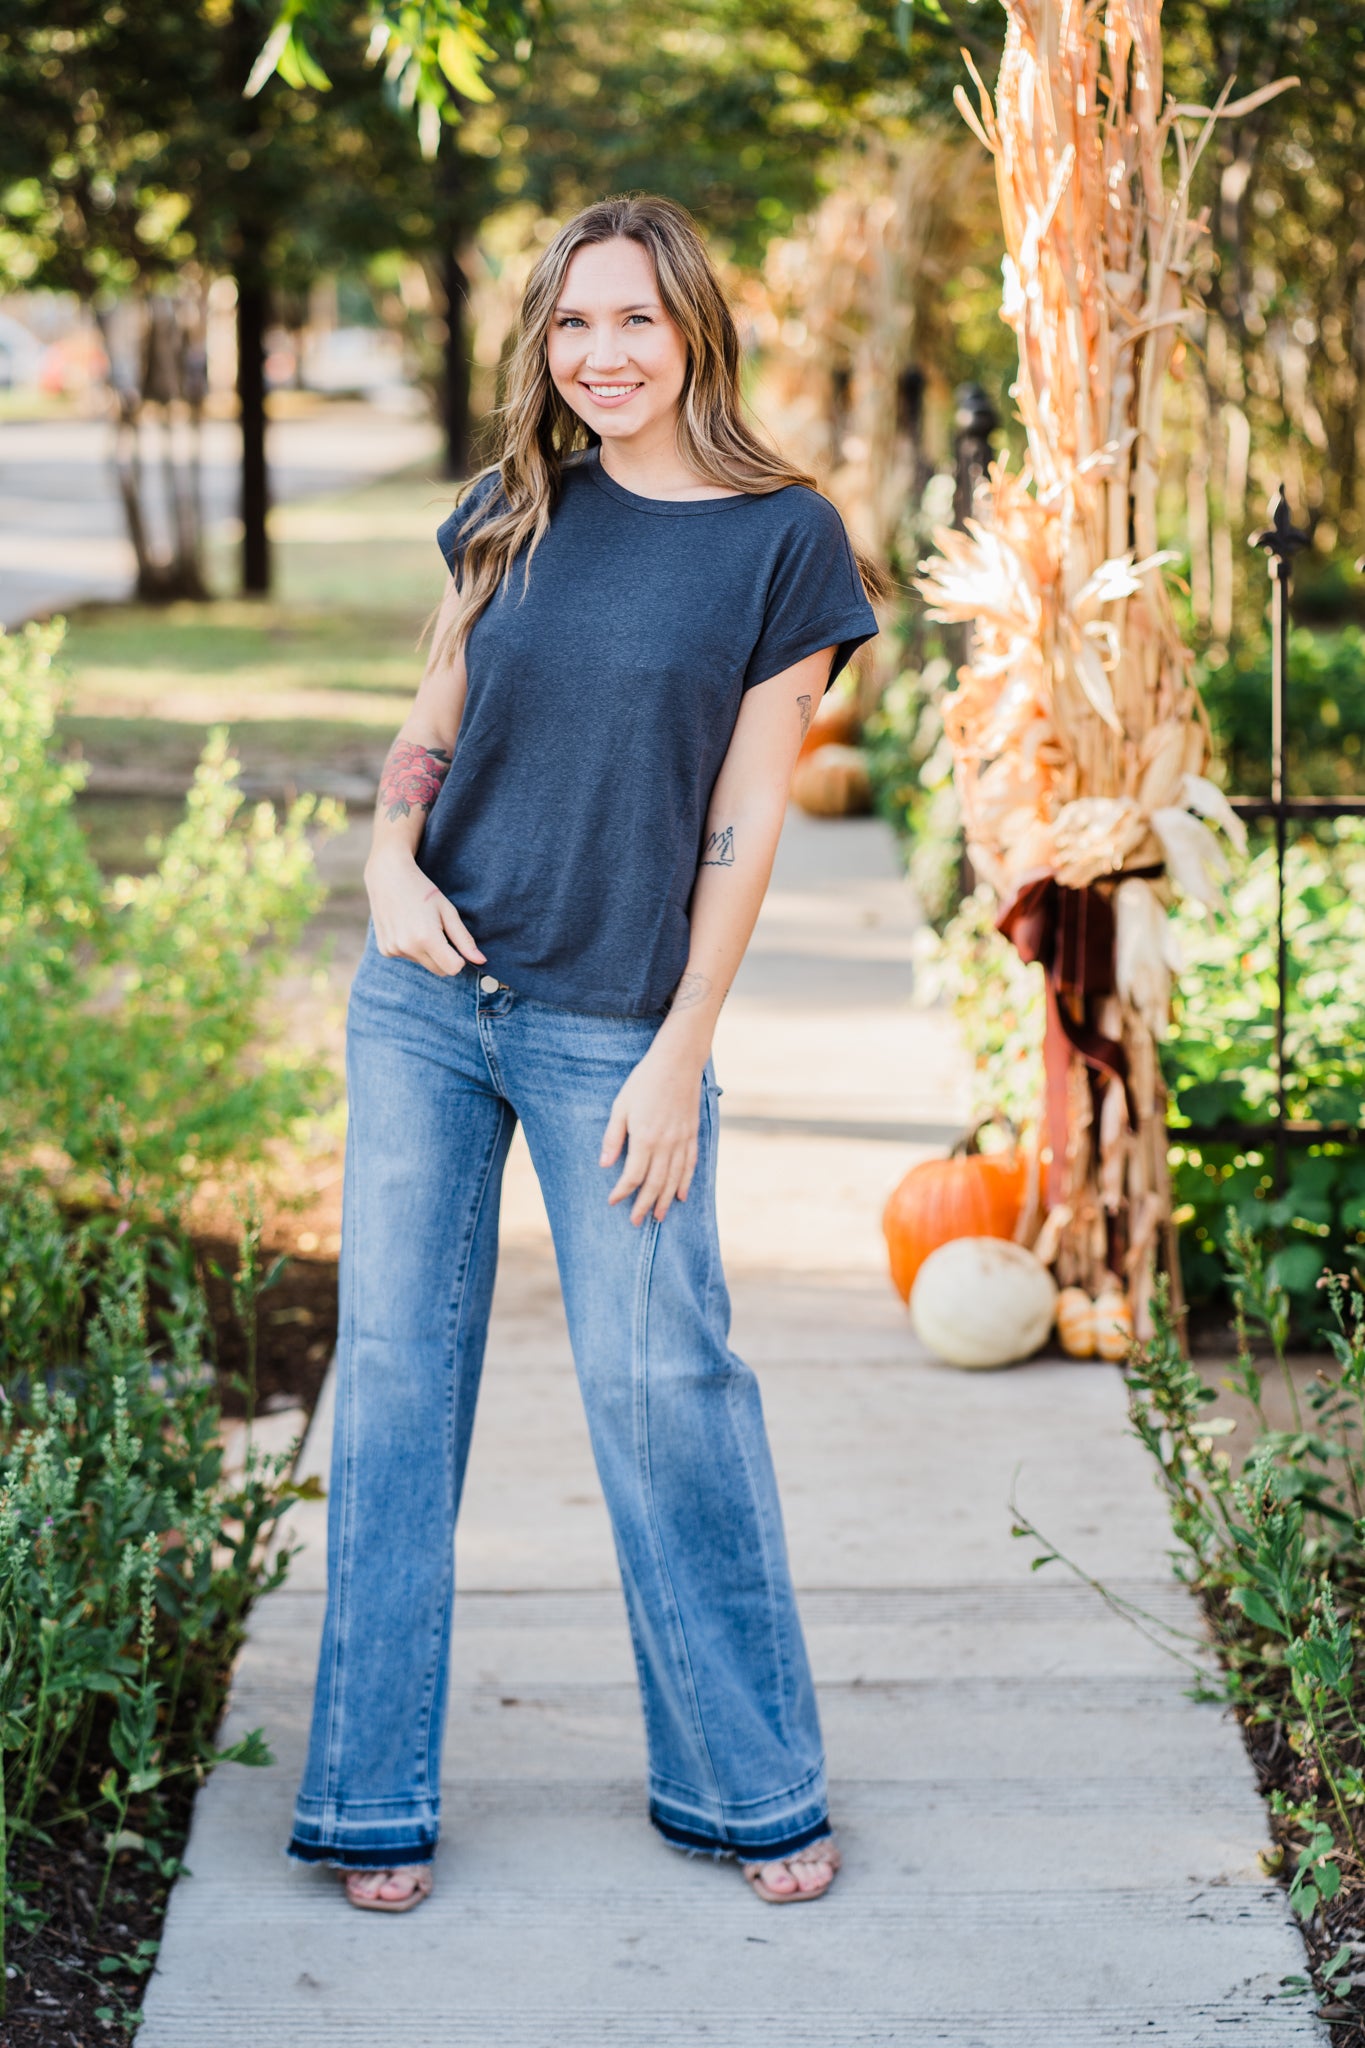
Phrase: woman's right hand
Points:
(412, 919)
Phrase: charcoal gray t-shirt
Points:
(599, 710)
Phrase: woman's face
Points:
(614, 354)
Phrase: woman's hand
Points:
(412, 919)
(655, 1116)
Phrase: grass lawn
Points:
(315, 678)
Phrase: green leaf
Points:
(1258, 1609)
(458, 51)
(1297, 1268)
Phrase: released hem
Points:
(392, 1856)
(698, 1844)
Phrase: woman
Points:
(582, 811)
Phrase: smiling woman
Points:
(583, 805)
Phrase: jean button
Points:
(490, 984)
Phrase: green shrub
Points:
(1272, 1541)
(128, 1557)
(1003, 1036)
(912, 782)
(1326, 726)
(132, 1013)
(1219, 1064)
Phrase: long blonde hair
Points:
(537, 431)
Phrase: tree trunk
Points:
(252, 298)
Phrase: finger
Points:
(651, 1188)
(689, 1170)
(453, 925)
(677, 1169)
(436, 952)
(632, 1173)
(614, 1136)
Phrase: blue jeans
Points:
(438, 1073)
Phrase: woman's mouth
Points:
(611, 394)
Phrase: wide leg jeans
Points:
(439, 1071)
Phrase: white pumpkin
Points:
(982, 1301)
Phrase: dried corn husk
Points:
(1079, 742)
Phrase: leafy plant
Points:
(1275, 1547)
(1219, 1065)
(1327, 697)
(133, 1020)
(128, 1556)
(1003, 1035)
(912, 783)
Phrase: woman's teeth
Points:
(612, 390)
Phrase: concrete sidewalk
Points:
(1046, 1842)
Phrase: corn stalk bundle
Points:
(1079, 741)
(852, 299)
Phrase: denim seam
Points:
(781, 1658)
(640, 1349)
(426, 1743)
(783, 1672)
(340, 1821)
(486, 1047)
(790, 1795)
(336, 1703)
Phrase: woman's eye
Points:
(569, 320)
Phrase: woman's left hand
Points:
(655, 1116)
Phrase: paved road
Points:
(1048, 1845)
(61, 524)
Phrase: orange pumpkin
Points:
(833, 782)
(969, 1194)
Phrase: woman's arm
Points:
(655, 1114)
(412, 919)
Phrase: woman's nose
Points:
(605, 351)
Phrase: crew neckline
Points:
(667, 506)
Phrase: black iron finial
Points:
(1281, 540)
(975, 419)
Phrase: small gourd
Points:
(982, 1301)
(833, 782)
(1076, 1322)
(1113, 1324)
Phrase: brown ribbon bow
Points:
(1072, 932)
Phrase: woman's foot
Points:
(787, 1882)
(389, 1891)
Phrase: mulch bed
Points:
(298, 1327)
(1280, 1769)
(62, 1992)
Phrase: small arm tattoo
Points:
(719, 850)
(691, 990)
(412, 775)
(803, 706)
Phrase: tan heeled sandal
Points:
(420, 1873)
(816, 1852)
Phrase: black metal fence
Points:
(1281, 541)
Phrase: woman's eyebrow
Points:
(645, 306)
